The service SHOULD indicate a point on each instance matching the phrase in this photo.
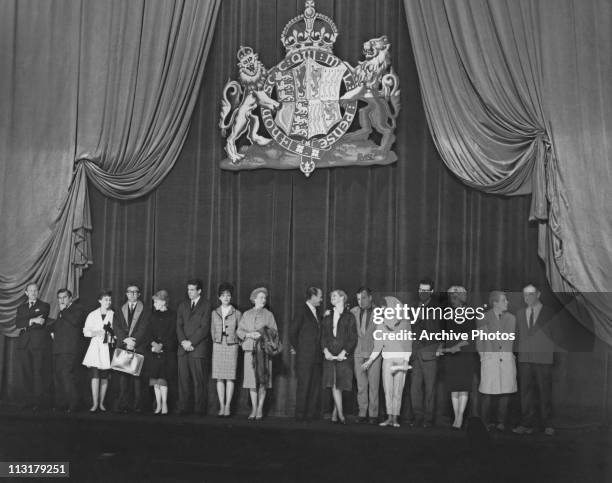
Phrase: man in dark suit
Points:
(305, 337)
(131, 327)
(535, 360)
(34, 347)
(193, 331)
(424, 358)
(68, 341)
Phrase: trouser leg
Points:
(373, 374)
(361, 377)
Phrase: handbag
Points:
(127, 361)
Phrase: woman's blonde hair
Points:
(341, 293)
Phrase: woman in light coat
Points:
(497, 361)
(249, 330)
(97, 359)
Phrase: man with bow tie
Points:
(33, 347)
(68, 341)
(131, 327)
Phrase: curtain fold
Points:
(98, 90)
(517, 101)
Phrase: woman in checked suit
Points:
(223, 324)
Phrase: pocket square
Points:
(37, 310)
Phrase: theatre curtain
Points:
(518, 100)
(384, 226)
(98, 91)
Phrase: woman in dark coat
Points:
(338, 341)
(459, 357)
(160, 362)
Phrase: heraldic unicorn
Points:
(300, 113)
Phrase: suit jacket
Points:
(194, 326)
(305, 337)
(231, 325)
(67, 330)
(34, 336)
(365, 342)
(425, 349)
(535, 344)
(139, 329)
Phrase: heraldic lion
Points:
(241, 99)
(378, 86)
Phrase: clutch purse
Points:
(127, 361)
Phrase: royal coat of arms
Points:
(300, 113)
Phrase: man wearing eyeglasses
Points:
(131, 329)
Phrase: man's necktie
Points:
(363, 321)
(531, 321)
(192, 306)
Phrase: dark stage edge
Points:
(106, 447)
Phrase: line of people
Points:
(332, 350)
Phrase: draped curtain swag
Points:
(90, 90)
(518, 101)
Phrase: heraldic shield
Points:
(310, 99)
(300, 113)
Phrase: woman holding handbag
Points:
(98, 327)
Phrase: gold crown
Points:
(320, 31)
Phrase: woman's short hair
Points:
(225, 287)
(460, 290)
(162, 295)
(494, 296)
(341, 293)
(105, 292)
(256, 292)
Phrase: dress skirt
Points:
(161, 365)
(249, 381)
(459, 371)
(224, 360)
(338, 373)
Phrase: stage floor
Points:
(111, 448)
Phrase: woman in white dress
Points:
(98, 327)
